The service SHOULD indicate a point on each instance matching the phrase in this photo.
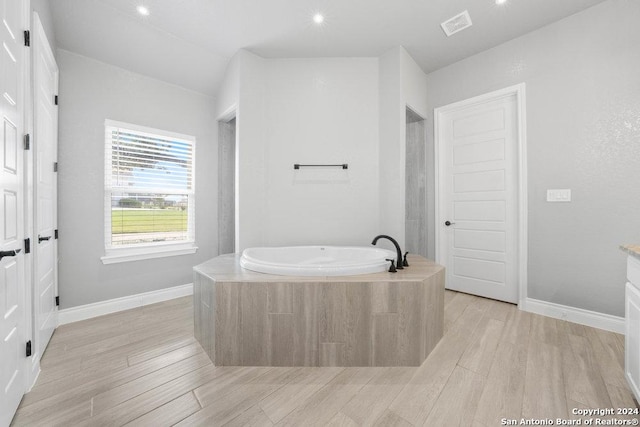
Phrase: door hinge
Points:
(55, 166)
(28, 349)
(27, 38)
(55, 99)
(27, 142)
(55, 234)
(27, 246)
(57, 301)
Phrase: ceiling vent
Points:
(457, 23)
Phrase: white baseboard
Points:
(83, 312)
(575, 315)
(33, 374)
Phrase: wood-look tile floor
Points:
(143, 367)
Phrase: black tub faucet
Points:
(398, 250)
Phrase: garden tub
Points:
(317, 260)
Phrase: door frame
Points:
(521, 163)
(38, 34)
(32, 364)
(24, 158)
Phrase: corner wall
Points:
(583, 129)
(402, 84)
(242, 92)
(251, 148)
(43, 8)
(304, 111)
(321, 111)
(92, 92)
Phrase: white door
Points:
(45, 147)
(478, 196)
(12, 286)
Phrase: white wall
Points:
(402, 85)
(321, 111)
(583, 130)
(391, 123)
(414, 84)
(304, 111)
(242, 94)
(43, 8)
(229, 92)
(250, 145)
(92, 92)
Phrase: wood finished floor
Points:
(143, 367)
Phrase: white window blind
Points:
(149, 187)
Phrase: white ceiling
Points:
(189, 42)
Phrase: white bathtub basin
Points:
(317, 260)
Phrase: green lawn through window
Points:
(148, 220)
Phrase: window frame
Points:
(141, 251)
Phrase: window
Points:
(149, 193)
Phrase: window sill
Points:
(114, 256)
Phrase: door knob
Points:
(9, 253)
(448, 223)
(40, 239)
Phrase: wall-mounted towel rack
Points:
(342, 165)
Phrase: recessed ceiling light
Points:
(318, 18)
(501, 1)
(143, 10)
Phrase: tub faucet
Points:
(398, 250)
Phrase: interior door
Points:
(45, 146)
(479, 203)
(12, 286)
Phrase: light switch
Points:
(559, 195)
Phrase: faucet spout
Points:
(398, 250)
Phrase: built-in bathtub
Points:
(316, 260)
(247, 318)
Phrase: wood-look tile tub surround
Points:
(243, 318)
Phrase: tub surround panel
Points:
(254, 325)
(380, 319)
(226, 323)
(203, 330)
(281, 338)
(306, 349)
(280, 298)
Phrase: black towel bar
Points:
(343, 166)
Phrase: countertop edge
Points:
(226, 268)
(632, 250)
